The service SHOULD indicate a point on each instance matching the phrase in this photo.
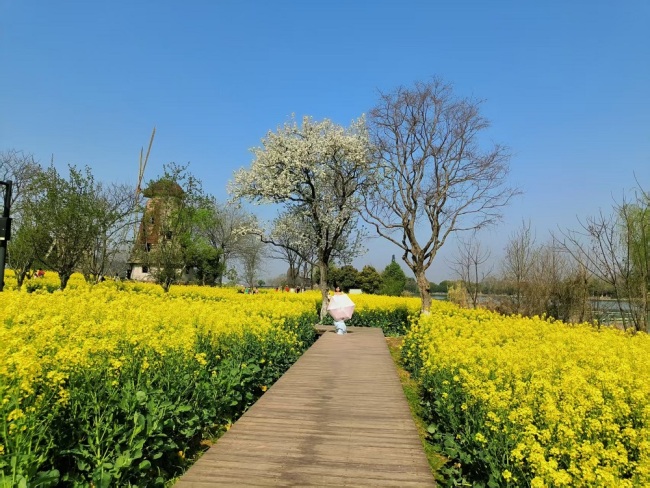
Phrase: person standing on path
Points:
(341, 309)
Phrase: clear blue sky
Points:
(565, 83)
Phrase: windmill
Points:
(138, 188)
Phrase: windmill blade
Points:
(143, 165)
(138, 187)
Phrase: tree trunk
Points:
(292, 275)
(22, 274)
(223, 262)
(166, 285)
(64, 276)
(424, 288)
(323, 290)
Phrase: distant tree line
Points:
(72, 223)
(416, 171)
(573, 275)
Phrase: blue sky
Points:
(565, 85)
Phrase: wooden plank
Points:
(338, 417)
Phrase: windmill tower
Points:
(143, 165)
(135, 266)
(153, 239)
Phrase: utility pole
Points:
(5, 231)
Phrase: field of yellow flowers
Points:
(116, 383)
(518, 401)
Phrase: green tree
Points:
(207, 262)
(348, 277)
(393, 279)
(369, 280)
(62, 219)
(442, 287)
(21, 254)
(411, 286)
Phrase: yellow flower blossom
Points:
(574, 401)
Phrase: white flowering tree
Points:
(286, 235)
(316, 171)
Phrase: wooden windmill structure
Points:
(138, 229)
(143, 165)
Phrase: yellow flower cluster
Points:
(365, 302)
(49, 281)
(560, 405)
(118, 348)
(45, 335)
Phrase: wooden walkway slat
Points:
(338, 417)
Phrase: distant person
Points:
(341, 308)
(40, 273)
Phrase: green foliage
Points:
(443, 287)
(413, 392)
(369, 280)
(34, 285)
(411, 286)
(207, 261)
(345, 277)
(136, 421)
(62, 219)
(393, 280)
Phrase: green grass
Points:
(412, 392)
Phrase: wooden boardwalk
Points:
(338, 417)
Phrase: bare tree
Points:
(468, 265)
(227, 231)
(616, 249)
(555, 285)
(252, 256)
(518, 260)
(23, 171)
(110, 244)
(289, 245)
(433, 176)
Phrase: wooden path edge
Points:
(337, 417)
